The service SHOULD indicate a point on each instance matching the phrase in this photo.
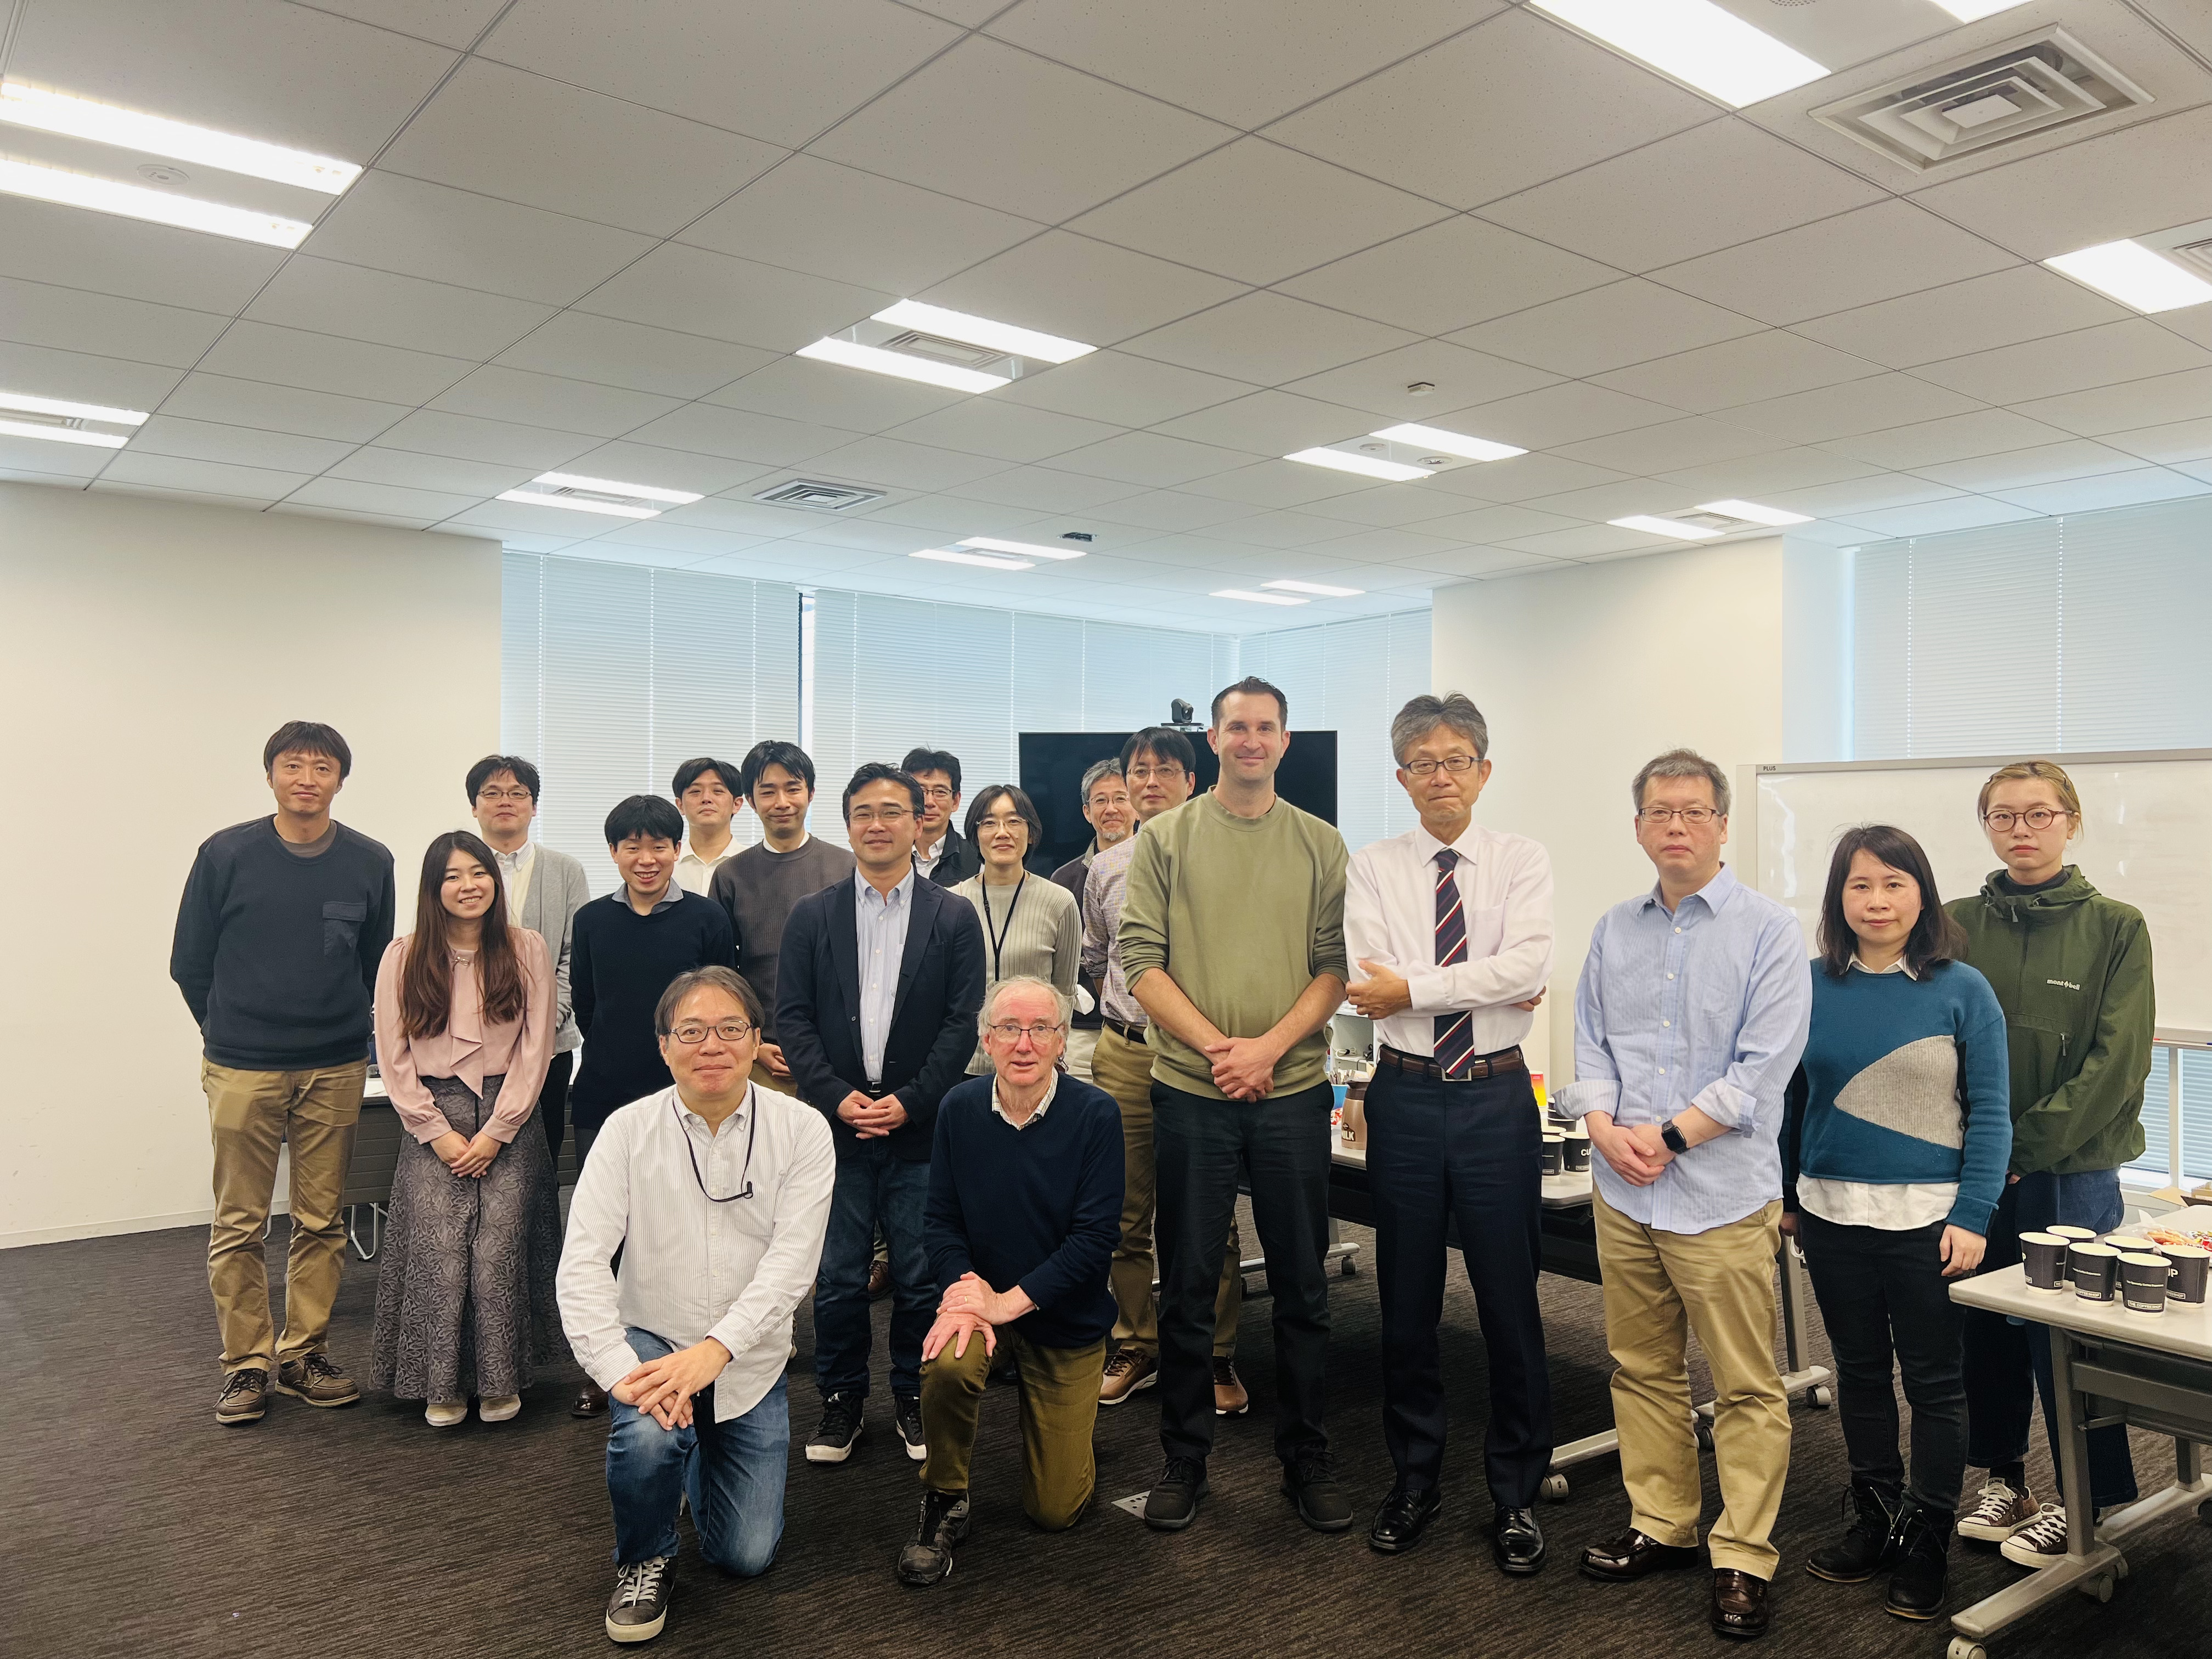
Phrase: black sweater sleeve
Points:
(191, 953)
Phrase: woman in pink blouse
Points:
(466, 1019)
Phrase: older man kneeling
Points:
(1025, 1193)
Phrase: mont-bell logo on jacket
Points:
(2062, 984)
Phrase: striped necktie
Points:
(1454, 1032)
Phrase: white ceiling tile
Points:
(1838, 411)
(2177, 440)
(1520, 478)
(2076, 458)
(33, 460)
(361, 304)
(1001, 127)
(1381, 546)
(814, 216)
(1847, 501)
(601, 551)
(1477, 563)
(241, 445)
(1267, 338)
(1710, 187)
(1009, 431)
(1112, 385)
(82, 378)
(777, 71)
(1586, 542)
(1271, 423)
(1953, 438)
(1747, 477)
(45, 242)
(392, 501)
(1390, 509)
(2150, 484)
(411, 470)
(671, 469)
(738, 512)
(2024, 302)
(1448, 276)
(1284, 483)
(696, 291)
(170, 493)
(1497, 524)
(2125, 407)
(466, 438)
(521, 138)
(279, 408)
(418, 229)
(1933, 518)
(1151, 457)
(1044, 490)
(830, 394)
(1769, 364)
(454, 23)
(1160, 511)
(2192, 323)
(515, 394)
(876, 536)
(215, 477)
(324, 362)
(2195, 469)
(1257, 212)
(1603, 502)
(2137, 350)
(883, 461)
(954, 515)
(1854, 258)
(1562, 414)
(739, 435)
(612, 352)
(1240, 61)
(1671, 445)
(538, 529)
(1382, 384)
(1480, 116)
(1080, 289)
(1608, 327)
(72, 319)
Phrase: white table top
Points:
(1561, 1192)
(2183, 1329)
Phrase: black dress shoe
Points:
(1739, 1604)
(588, 1402)
(1404, 1517)
(1634, 1555)
(1310, 1483)
(1516, 1542)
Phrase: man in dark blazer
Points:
(879, 985)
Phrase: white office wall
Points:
(147, 648)
(1585, 674)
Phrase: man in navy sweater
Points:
(1024, 1212)
(283, 922)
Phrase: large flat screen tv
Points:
(1053, 762)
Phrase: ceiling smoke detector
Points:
(815, 497)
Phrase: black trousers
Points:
(1885, 1302)
(553, 1105)
(1471, 1153)
(1283, 1144)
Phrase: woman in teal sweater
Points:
(1898, 1131)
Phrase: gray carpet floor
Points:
(132, 1524)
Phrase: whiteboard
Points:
(2146, 840)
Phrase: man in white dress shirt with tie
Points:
(717, 1193)
(1449, 929)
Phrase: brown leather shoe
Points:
(880, 1279)
(590, 1401)
(1128, 1370)
(1231, 1398)
(1739, 1604)
(1634, 1555)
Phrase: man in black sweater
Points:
(283, 922)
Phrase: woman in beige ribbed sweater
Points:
(1030, 923)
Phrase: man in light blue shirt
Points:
(880, 920)
(1690, 1015)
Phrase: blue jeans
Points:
(732, 1472)
(2007, 1363)
(874, 1186)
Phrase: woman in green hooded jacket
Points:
(2072, 970)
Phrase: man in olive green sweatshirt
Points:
(1232, 938)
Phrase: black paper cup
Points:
(2096, 1271)
(2073, 1235)
(2044, 1254)
(1579, 1152)
(2126, 1244)
(2143, 1274)
(2192, 1266)
(1555, 1152)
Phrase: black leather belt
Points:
(1127, 1033)
(1482, 1066)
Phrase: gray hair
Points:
(1061, 1001)
(1425, 713)
(1682, 763)
(705, 979)
(1108, 768)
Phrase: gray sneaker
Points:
(244, 1396)
(928, 1557)
(639, 1607)
(317, 1381)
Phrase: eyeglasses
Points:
(1658, 816)
(1167, 773)
(878, 814)
(502, 794)
(691, 1034)
(1009, 1032)
(935, 792)
(1422, 768)
(2039, 817)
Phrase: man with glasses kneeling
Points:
(717, 1194)
(1024, 1211)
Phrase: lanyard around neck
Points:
(745, 1174)
(998, 934)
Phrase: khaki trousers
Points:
(250, 1114)
(1659, 1287)
(1124, 1070)
(1060, 1408)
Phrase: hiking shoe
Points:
(840, 1429)
(244, 1396)
(1231, 1398)
(315, 1379)
(2001, 1510)
(2041, 1542)
(1868, 1543)
(639, 1607)
(1172, 1504)
(1312, 1485)
(906, 1413)
(928, 1557)
(1128, 1370)
(1924, 1562)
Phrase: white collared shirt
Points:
(925, 859)
(692, 1269)
(695, 874)
(1390, 919)
(1051, 1088)
(515, 870)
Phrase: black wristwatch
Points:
(1673, 1137)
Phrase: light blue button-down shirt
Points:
(1708, 1008)
(881, 922)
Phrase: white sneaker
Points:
(2001, 1510)
(445, 1413)
(499, 1407)
(2041, 1542)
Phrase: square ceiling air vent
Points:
(915, 342)
(2033, 86)
(818, 497)
(2197, 255)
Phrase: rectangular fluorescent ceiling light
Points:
(1650, 525)
(1250, 598)
(877, 360)
(1752, 513)
(1451, 443)
(2135, 275)
(1320, 590)
(61, 434)
(577, 504)
(79, 118)
(987, 562)
(982, 332)
(1968, 11)
(1023, 549)
(30, 405)
(1695, 41)
(134, 202)
(613, 487)
(1367, 466)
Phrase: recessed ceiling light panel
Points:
(1696, 42)
(81, 118)
(1452, 443)
(1968, 11)
(1250, 598)
(159, 206)
(853, 355)
(59, 434)
(1369, 466)
(579, 504)
(26, 402)
(2135, 275)
(1752, 513)
(1671, 527)
(615, 487)
(982, 332)
(987, 560)
(1025, 549)
(1319, 590)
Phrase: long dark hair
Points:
(426, 977)
(1935, 939)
